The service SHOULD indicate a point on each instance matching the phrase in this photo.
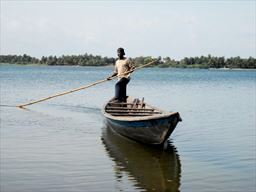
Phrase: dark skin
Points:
(120, 55)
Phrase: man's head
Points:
(120, 53)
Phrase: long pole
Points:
(83, 87)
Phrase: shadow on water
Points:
(151, 168)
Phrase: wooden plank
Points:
(135, 104)
(118, 111)
(130, 111)
(128, 107)
(142, 103)
(119, 103)
(125, 108)
(125, 114)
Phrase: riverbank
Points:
(111, 66)
(204, 62)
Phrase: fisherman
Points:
(122, 66)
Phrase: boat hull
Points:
(150, 131)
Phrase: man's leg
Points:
(118, 91)
(123, 89)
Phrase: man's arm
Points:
(113, 75)
(115, 72)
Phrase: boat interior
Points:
(132, 107)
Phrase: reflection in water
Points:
(150, 168)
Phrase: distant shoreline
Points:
(232, 69)
(111, 66)
(203, 62)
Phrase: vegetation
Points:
(82, 60)
(91, 60)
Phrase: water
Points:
(63, 145)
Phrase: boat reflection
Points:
(149, 168)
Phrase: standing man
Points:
(122, 66)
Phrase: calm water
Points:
(63, 145)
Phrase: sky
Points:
(176, 29)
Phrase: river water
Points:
(63, 145)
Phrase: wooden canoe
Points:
(139, 121)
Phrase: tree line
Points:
(96, 60)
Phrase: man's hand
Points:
(111, 77)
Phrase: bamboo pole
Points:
(83, 87)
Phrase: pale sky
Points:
(176, 29)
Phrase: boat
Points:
(140, 121)
(148, 168)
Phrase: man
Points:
(122, 66)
